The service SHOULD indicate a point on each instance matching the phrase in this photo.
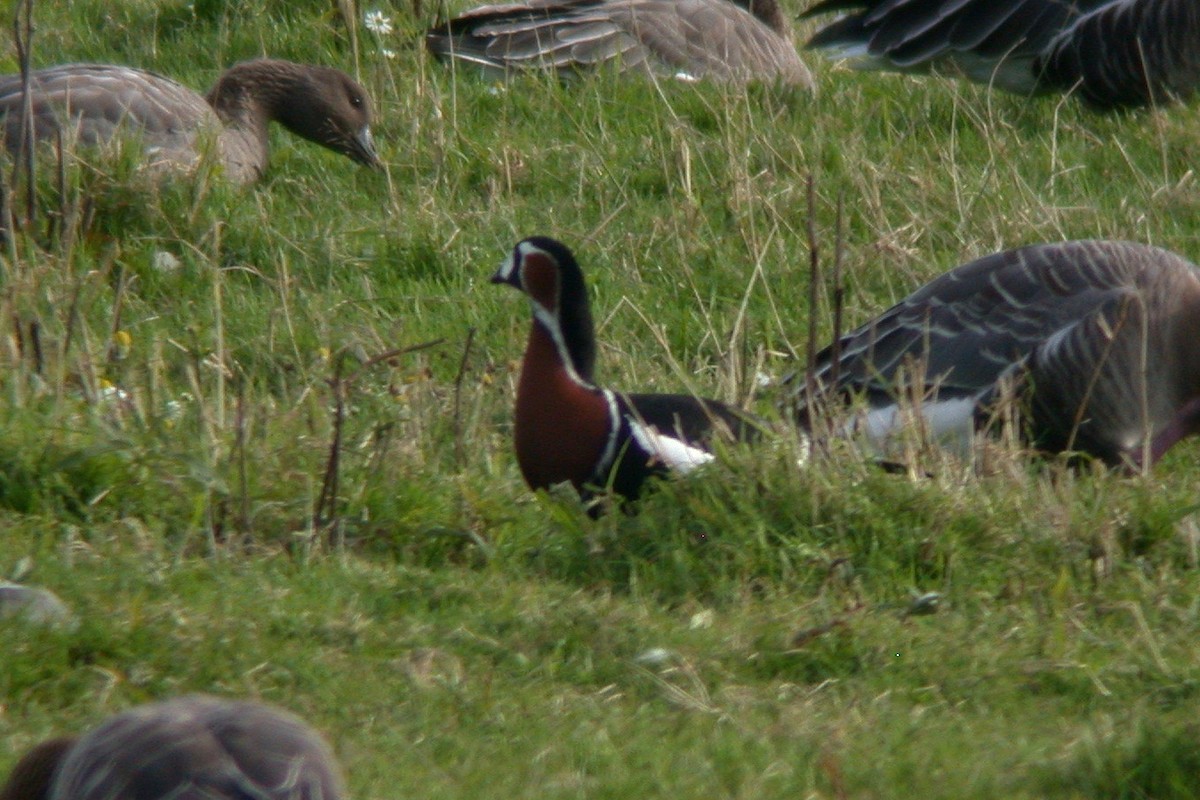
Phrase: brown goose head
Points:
(321, 104)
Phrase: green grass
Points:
(746, 634)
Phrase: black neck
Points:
(574, 313)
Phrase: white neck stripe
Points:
(550, 323)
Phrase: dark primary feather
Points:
(1114, 52)
(1135, 52)
(698, 38)
(1101, 338)
(974, 323)
(692, 419)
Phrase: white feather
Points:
(949, 422)
(677, 455)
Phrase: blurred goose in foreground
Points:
(93, 103)
(1098, 342)
(191, 748)
(691, 39)
(569, 429)
(34, 604)
(1113, 52)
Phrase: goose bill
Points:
(362, 149)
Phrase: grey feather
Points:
(199, 748)
(92, 104)
(716, 39)
(1115, 53)
(1101, 340)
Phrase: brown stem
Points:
(458, 380)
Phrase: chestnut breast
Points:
(562, 426)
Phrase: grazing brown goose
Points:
(1098, 341)
(691, 39)
(190, 748)
(570, 429)
(1113, 52)
(93, 103)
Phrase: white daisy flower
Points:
(377, 22)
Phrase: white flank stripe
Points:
(678, 456)
(610, 447)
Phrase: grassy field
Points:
(175, 357)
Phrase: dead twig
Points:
(814, 283)
(23, 39)
(325, 511)
(458, 380)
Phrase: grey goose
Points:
(190, 748)
(691, 39)
(1114, 53)
(93, 103)
(1098, 343)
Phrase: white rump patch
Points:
(856, 51)
(676, 455)
(950, 423)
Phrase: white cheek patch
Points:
(505, 271)
(676, 455)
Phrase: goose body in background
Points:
(94, 103)
(1112, 52)
(1098, 342)
(190, 748)
(569, 429)
(694, 39)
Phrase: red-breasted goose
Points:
(569, 429)
(190, 748)
(692, 39)
(1098, 342)
(1113, 52)
(93, 103)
